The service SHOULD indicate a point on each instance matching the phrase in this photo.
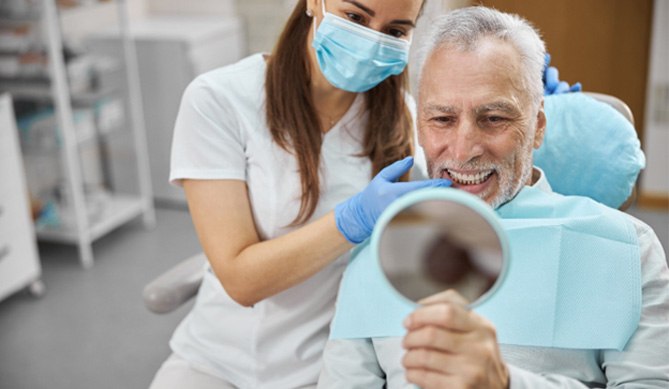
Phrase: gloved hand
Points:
(356, 216)
(552, 83)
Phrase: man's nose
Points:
(467, 144)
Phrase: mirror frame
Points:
(443, 194)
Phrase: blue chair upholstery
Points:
(590, 148)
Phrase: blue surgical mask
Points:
(356, 58)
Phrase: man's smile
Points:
(472, 181)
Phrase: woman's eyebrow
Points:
(369, 11)
(372, 13)
(403, 21)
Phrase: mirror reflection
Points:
(435, 245)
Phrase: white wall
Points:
(264, 21)
(81, 21)
(655, 179)
(194, 7)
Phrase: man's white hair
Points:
(463, 29)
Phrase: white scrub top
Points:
(221, 133)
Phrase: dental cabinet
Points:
(67, 121)
(171, 51)
(19, 260)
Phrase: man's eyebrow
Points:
(448, 109)
(497, 106)
(372, 13)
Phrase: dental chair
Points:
(610, 128)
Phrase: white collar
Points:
(541, 182)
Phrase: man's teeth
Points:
(469, 179)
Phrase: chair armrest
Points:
(176, 286)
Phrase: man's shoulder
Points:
(642, 229)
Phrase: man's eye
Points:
(443, 119)
(495, 120)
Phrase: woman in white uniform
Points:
(275, 154)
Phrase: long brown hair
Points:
(295, 126)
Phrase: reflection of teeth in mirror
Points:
(469, 179)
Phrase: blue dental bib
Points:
(573, 281)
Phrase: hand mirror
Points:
(437, 239)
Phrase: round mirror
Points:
(444, 239)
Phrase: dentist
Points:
(275, 154)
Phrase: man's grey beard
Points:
(508, 192)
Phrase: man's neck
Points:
(536, 175)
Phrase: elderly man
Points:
(480, 115)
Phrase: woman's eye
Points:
(355, 17)
(396, 33)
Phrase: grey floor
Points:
(91, 330)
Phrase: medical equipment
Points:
(179, 284)
(171, 51)
(19, 258)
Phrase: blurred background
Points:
(90, 91)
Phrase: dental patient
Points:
(480, 116)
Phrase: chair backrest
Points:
(615, 103)
(624, 110)
(591, 148)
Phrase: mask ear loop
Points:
(310, 13)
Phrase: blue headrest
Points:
(589, 149)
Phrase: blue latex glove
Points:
(552, 83)
(356, 216)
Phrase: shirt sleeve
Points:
(645, 360)
(644, 363)
(208, 142)
(351, 364)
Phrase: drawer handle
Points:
(4, 251)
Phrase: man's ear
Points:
(540, 126)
